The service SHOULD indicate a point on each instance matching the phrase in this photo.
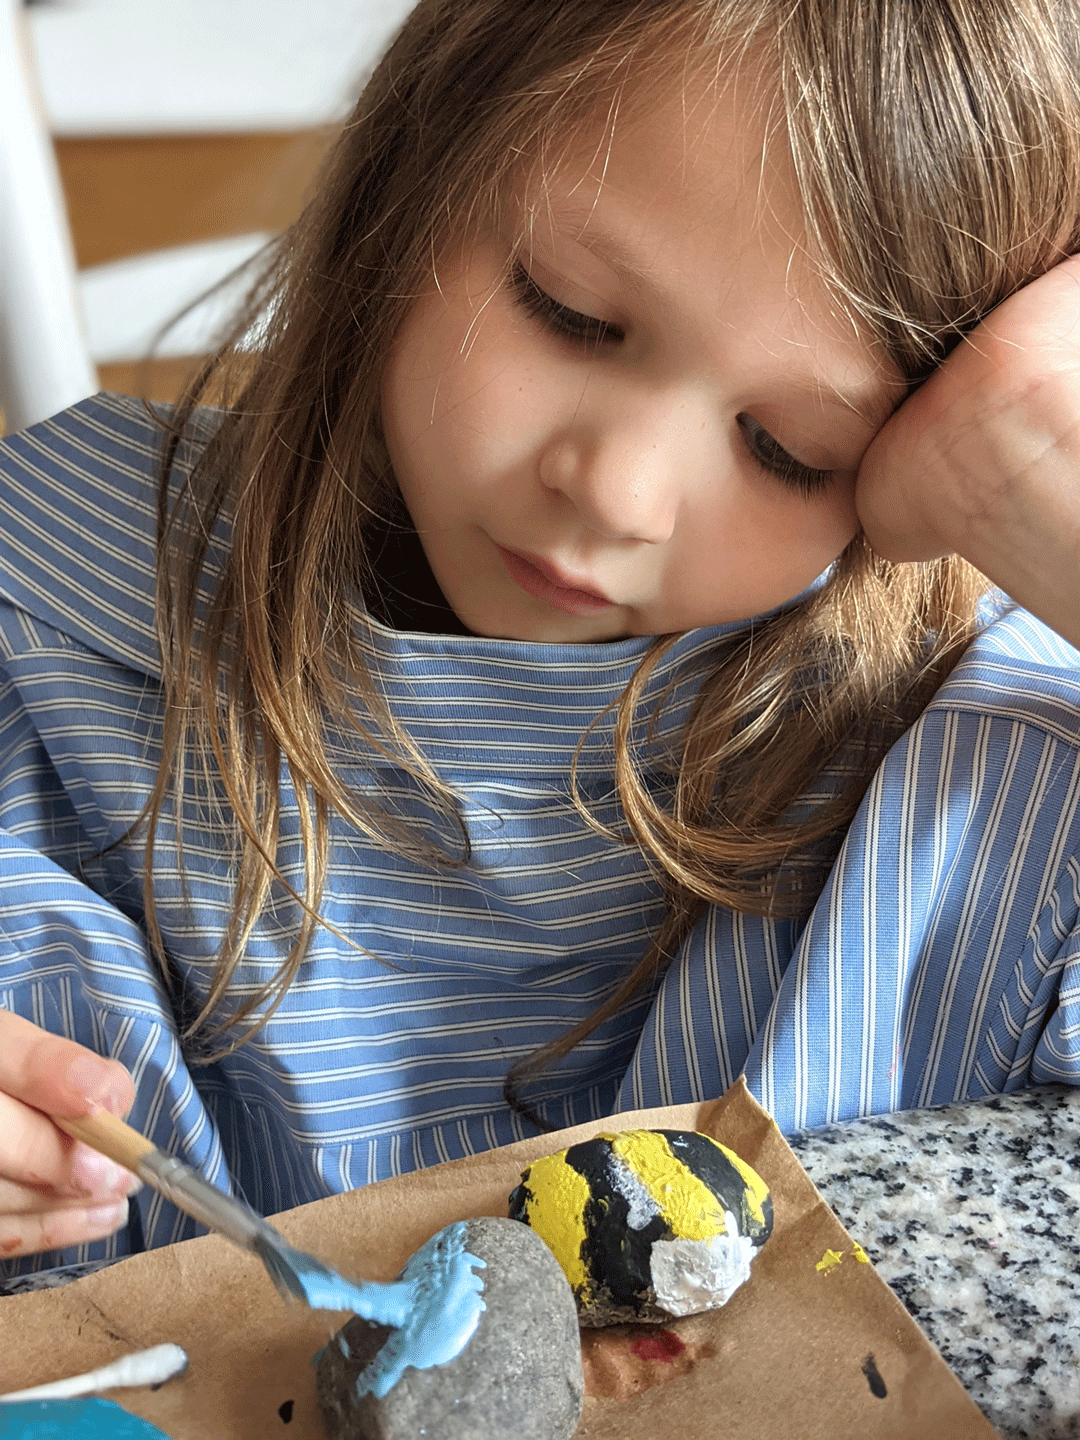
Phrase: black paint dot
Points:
(285, 1411)
(873, 1378)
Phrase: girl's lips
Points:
(541, 580)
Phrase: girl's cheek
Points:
(753, 557)
(507, 401)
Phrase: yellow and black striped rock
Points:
(647, 1224)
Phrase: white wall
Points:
(148, 66)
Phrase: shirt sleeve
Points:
(941, 961)
(77, 964)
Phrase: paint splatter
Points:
(873, 1378)
(285, 1411)
(624, 1360)
(829, 1261)
(860, 1254)
(661, 1344)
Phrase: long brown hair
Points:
(936, 146)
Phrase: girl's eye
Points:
(775, 459)
(560, 319)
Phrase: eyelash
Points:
(560, 319)
(772, 456)
(588, 331)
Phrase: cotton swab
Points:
(142, 1367)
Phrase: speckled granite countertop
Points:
(972, 1214)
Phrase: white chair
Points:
(45, 363)
(139, 68)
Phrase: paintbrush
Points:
(296, 1275)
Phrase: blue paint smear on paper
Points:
(445, 1311)
(73, 1420)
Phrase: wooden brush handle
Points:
(104, 1132)
(179, 1183)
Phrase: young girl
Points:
(499, 712)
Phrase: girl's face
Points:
(654, 421)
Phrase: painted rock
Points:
(491, 1347)
(647, 1224)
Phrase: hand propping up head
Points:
(984, 458)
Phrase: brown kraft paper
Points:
(814, 1346)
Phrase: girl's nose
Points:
(624, 473)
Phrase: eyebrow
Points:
(607, 245)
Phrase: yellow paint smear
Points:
(829, 1261)
(686, 1203)
(556, 1211)
(757, 1192)
(860, 1254)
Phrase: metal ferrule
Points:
(189, 1192)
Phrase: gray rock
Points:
(518, 1376)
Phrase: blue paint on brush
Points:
(324, 1289)
(73, 1420)
(444, 1312)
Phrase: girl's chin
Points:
(509, 623)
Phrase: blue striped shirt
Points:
(941, 961)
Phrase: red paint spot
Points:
(659, 1345)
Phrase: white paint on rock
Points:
(693, 1275)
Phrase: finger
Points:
(18, 1199)
(58, 1229)
(893, 499)
(57, 1075)
(34, 1154)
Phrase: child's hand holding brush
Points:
(54, 1191)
